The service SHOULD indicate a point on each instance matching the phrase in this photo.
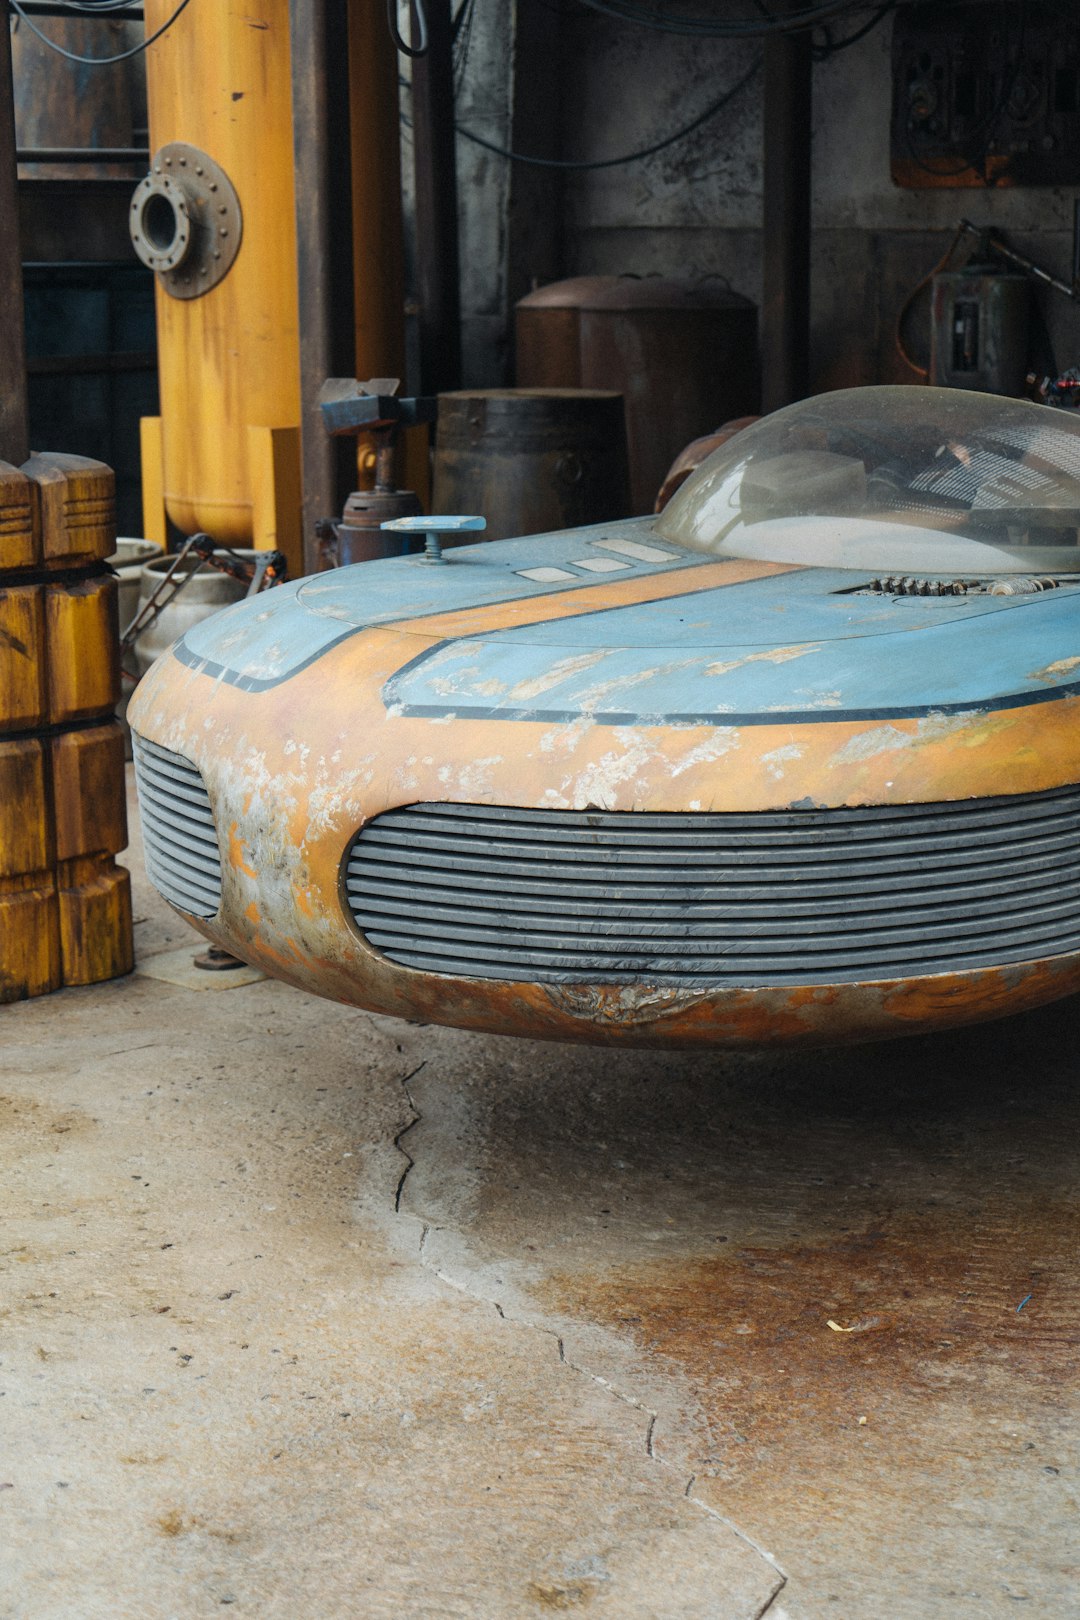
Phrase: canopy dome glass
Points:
(902, 480)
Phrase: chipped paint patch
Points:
(1057, 670)
(622, 1004)
(720, 741)
(885, 739)
(764, 655)
(236, 852)
(601, 694)
(775, 761)
(561, 671)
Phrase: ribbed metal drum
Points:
(530, 460)
(773, 898)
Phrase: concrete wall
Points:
(694, 210)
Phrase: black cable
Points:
(630, 157)
(95, 8)
(832, 46)
(744, 28)
(420, 15)
(97, 61)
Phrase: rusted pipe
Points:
(320, 72)
(437, 268)
(785, 322)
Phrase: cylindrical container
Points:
(23, 700)
(532, 459)
(205, 594)
(682, 354)
(19, 538)
(29, 935)
(82, 643)
(93, 893)
(26, 841)
(219, 81)
(75, 501)
(30, 932)
(359, 537)
(979, 331)
(127, 562)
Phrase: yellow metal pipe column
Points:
(226, 454)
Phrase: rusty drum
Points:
(532, 459)
(683, 355)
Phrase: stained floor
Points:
(305, 1308)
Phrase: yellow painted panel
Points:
(220, 79)
(274, 460)
(155, 525)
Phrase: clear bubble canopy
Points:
(901, 480)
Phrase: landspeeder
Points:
(796, 761)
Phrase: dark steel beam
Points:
(320, 74)
(83, 154)
(14, 426)
(785, 314)
(438, 275)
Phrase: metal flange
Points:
(185, 220)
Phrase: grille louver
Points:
(776, 898)
(180, 841)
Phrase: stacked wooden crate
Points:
(65, 905)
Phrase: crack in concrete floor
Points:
(564, 1360)
(303, 1308)
(225, 1384)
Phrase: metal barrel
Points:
(684, 356)
(359, 537)
(200, 596)
(532, 459)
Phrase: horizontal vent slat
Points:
(731, 938)
(824, 832)
(717, 898)
(183, 860)
(801, 896)
(701, 920)
(724, 863)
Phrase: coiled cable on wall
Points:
(420, 15)
(629, 157)
(742, 28)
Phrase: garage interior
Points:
(306, 1306)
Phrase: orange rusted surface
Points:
(305, 772)
(304, 768)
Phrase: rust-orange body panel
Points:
(293, 780)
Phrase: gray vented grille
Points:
(180, 841)
(793, 897)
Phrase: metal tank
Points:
(206, 593)
(532, 459)
(682, 354)
(215, 220)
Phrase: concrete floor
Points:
(307, 1311)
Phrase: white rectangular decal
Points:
(634, 548)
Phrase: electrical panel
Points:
(986, 93)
